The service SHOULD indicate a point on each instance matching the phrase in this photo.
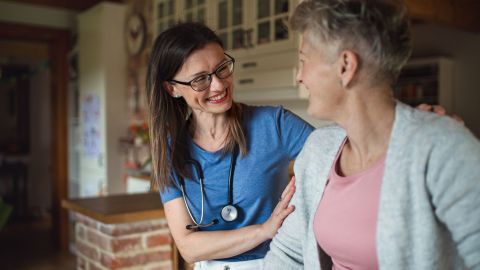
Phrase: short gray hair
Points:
(377, 30)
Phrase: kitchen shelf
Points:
(426, 80)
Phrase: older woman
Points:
(388, 186)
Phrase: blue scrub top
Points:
(274, 136)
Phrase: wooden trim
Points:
(58, 41)
(78, 5)
(119, 208)
(459, 13)
(114, 218)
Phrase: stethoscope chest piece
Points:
(229, 213)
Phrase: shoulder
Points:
(263, 111)
(425, 128)
(273, 114)
(321, 146)
(325, 136)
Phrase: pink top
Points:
(346, 218)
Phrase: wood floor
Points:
(27, 245)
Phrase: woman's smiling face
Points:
(215, 99)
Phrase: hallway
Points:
(27, 245)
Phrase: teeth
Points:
(218, 97)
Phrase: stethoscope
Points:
(229, 211)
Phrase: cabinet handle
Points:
(246, 81)
(249, 64)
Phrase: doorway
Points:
(56, 42)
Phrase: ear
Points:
(171, 90)
(347, 67)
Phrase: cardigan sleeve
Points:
(286, 250)
(453, 179)
(286, 247)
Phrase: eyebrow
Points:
(206, 72)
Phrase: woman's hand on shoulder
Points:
(438, 110)
(281, 211)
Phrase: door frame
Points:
(58, 42)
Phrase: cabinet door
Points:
(231, 23)
(270, 21)
(165, 15)
(196, 11)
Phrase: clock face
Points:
(135, 34)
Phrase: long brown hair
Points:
(168, 116)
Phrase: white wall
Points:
(464, 48)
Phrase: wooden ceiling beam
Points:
(457, 13)
(78, 5)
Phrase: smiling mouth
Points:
(218, 98)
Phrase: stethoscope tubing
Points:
(229, 206)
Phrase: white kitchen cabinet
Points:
(168, 12)
(254, 32)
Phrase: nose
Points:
(298, 77)
(216, 84)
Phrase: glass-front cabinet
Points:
(252, 27)
(271, 20)
(255, 32)
(231, 17)
(169, 12)
(165, 15)
(194, 11)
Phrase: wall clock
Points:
(135, 33)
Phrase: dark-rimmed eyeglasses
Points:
(202, 82)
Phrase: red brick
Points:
(80, 231)
(133, 228)
(126, 244)
(163, 267)
(87, 250)
(158, 240)
(156, 256)
(81, 263)
(97, 239)
(140, 259)
(86, 221)
(93, 266)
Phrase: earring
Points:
(177, 96)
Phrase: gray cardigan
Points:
(429, 215)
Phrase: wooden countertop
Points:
(118, 208)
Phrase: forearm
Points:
(209, 245)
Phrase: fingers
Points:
(432, 108)
(438, 110)
(285, 200)
(458, 119)
(288, 187)
(425, 107)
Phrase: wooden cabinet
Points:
(427, 80)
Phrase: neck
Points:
(367, 117)
(209, 131)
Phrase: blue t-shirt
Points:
(274, 137)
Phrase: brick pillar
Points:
(137, 245)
